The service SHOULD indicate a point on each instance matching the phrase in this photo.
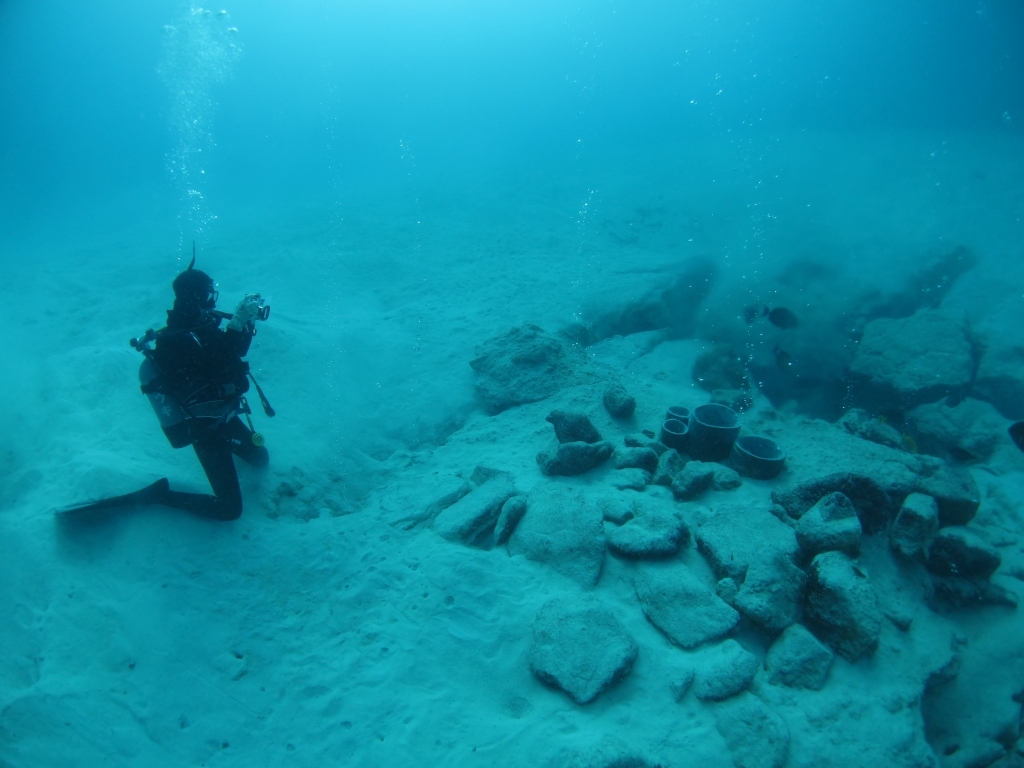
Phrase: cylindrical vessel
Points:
(674, 434)
(758, 457)
(713, 430)
(679, 413)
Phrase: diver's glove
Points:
(247, 312)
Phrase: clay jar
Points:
(713, 430)
(758, 457)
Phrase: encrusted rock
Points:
(640, 458)
(726, 479)
(678, 603)
(523, 365)
(581, 649)
(960, 592)
(630, 479)
(907, 361)
(970, 430)
(670, 464)
(956, 493)
(916, 523)
(574, 458)
(832, 523)
(841, 606)
(798, 660)
(755, 736)
(475, 514)
(874, 506)
(617, 508)
(859, 423)
(512, 512)
(726, 670)
(649, 535)
(958, 551)
(618, 402)
(573, 427)
(562, 529)
(1000, 378)
(695, 478)
(770, 593)
(738, 535)
(645, 440)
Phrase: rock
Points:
(563, 530)
(771, 592)
(960, 592)
(695, 478)
(859, 423)
(874, 506)
(678, 603)
(737, 536)
(475, 514)
(958, 551)
(581, 649)
(727, 589)
(648, 536)
(616, 509)
(726, 479)
(679, 682)
(755, 736)
(574, 458)
(640, 458)
(971, 430)
(618, 402)
(832, 523)
(448, 490)
(481, 474)
(645, 440)
(670, 464)
(1000, 377)
(512, 512)
(901, 363)
(915, 524)
(573, 427)
(841, 607)
(726, 670)
(630, 479)
(798, 660)
(524, 365)
(955, 492)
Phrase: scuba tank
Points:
(172, 417)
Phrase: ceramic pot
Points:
(758, 457)
(713, 430)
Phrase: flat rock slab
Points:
(581, 648)
(563, 530)
(476, 513)
(841, 606)
(523, 365)
(678, 603)
(629, 479)
(755, 735)
(797, 659)
(695, 478)
(650, 535)
(575, 458)
(739, 535)
(725, 671)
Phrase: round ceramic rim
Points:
(715, 408)
(741, 447)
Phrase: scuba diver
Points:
(196, 381)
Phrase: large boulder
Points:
(873, 504)
(958, 551)
(841, 607)
(678, 603)
(562, 529)
(695, 478)
(523, 365)
(582, 649)
(771, 591)
(970, 430)
(955, 492)
(1000, 377)
(797, 659)
(474, 515)
(574, 458)
(737, 536)
(901, 363)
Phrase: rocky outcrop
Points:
(581, 649)
(562, 529)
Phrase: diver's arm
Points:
(240, 340)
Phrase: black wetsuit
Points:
(199, 363)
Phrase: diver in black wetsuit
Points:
(196, 381)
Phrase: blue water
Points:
(404, 181)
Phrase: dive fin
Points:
(151, 494)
